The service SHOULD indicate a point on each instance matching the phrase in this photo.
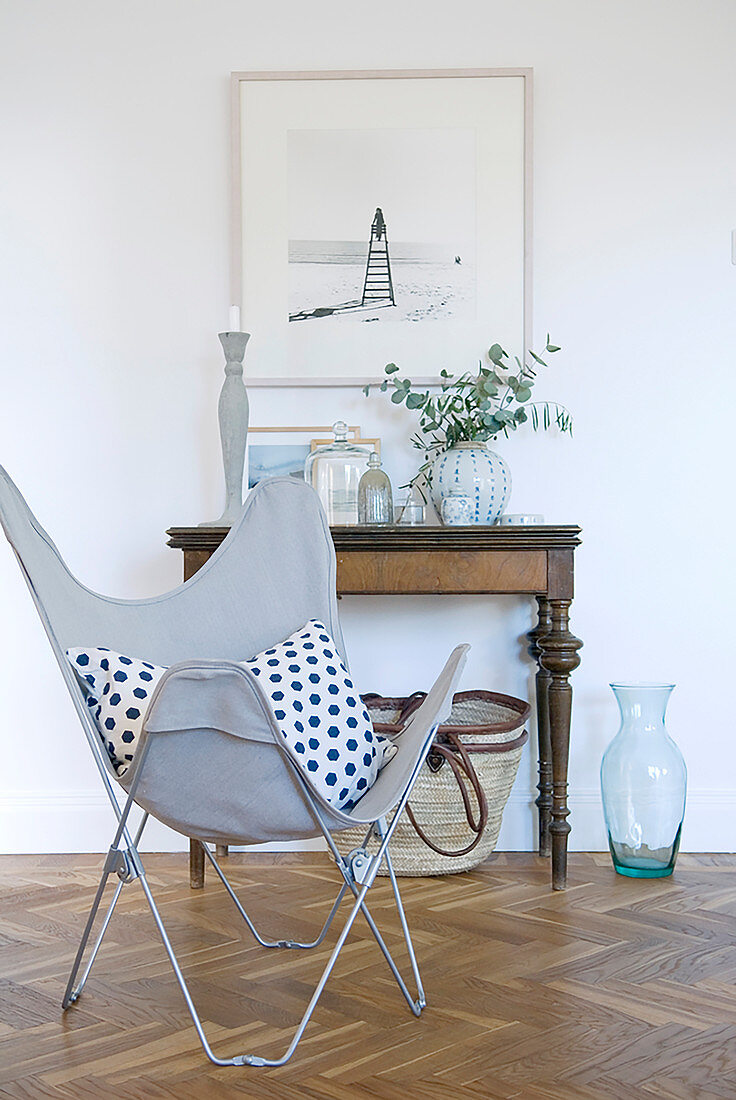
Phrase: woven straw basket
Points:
(489, 727)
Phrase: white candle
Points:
(234, 319)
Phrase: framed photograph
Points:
(379, 217)
(282, 451)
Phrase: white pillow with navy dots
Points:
(314, 701)
(321, 715)
(118, 690)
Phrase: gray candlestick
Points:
(232, 410)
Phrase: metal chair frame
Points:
(358, 870)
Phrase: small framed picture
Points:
(276, 460)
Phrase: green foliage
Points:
(477, 407)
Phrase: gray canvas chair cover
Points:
(210, 762)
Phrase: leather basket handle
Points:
(454, 752)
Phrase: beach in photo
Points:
(405, 199)
(428, 283)
(276, 460)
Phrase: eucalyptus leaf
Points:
(475, 405)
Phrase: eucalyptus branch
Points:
(477, 407)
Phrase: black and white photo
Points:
(381, 224)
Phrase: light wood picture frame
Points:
(447, 157)
(374, 444)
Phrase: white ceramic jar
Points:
(471, 470)
(457, 509)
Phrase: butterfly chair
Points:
(211, 762)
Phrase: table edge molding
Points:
(398, 539)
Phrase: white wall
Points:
(114, 270)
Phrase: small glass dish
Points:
(518, 519)
(409, 512)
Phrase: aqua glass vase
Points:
(643, 784)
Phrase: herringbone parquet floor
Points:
(615, 988)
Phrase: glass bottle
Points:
(643, 784)
(375, 502)
(334, 471)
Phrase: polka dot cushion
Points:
(321, 715)
(118, 691)
(314, 701)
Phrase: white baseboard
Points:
(710, 822)
(34, 822)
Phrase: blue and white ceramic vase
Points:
(477, 473)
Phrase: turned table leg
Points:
(544, 786)
(196, 865)
(559, 656)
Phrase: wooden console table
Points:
(534, 561)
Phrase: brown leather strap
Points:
(412, 704)
(454, 752)
(406, 708)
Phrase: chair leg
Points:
(359, 889)
(415, 1006)
(180, 979)
(359, 906)
(256, 1060)
(252, 927)
(71, 994)
(381, 826)
(249, 1059)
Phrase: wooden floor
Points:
(615, 988)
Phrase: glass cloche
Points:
(334, 470)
